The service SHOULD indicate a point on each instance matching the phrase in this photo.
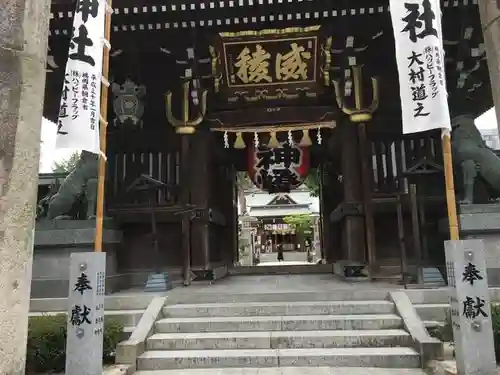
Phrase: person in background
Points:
(280, 252)
(269, 246)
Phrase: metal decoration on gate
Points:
(127, 104)
(360, 113)
(187, 125)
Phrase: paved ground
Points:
(243, 284)
(290, 371)
(290, 258)
(280, 284)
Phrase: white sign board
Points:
(84, 342)
(78, 122)
(420, 61)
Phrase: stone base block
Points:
(352, 271)
(482, 221)
(212, 273)
(220, 272)
(55, 241)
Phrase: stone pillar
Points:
(316, 240)
(489, 11)
(470, 307)
(23, 48)
(246, 239)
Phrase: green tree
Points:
(66, 165)
(312, 182)
(301, 222)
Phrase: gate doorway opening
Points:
(277, 229)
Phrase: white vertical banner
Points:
(420, 60)
(78, 122)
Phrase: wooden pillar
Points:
(231, 215)
(325, 209)
(353, 236)
(200, 181)
(185, 200)
(234, 220)
(331, 195)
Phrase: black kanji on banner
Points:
(417, 84)
(87, 8)
(80, 42)
(419, 24)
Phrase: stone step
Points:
(278, 340)
(289, 371)
(279, 323)
(279, 308)
(284, 268)
(344, 357)
(379, 294)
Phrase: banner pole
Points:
(102, 133)
(450, 186)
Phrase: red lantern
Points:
(278, 170)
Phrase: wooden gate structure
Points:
(196, 82)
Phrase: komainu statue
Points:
(81, 182)
(475, 158)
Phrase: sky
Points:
(49, 154)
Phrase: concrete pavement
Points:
(290, 258)
(289, 371)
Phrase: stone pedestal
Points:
(23, 48)
(54, 243)
(489, 11)
(482, 221)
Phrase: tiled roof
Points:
(258, 201)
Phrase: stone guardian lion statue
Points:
(82, 180)
(474, 156)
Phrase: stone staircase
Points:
(289, 330)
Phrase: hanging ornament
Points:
(306, 139)
(290, 138)
(226, 140)
(273, 141)
(239, 142)
(318, 136)
(256, 139)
